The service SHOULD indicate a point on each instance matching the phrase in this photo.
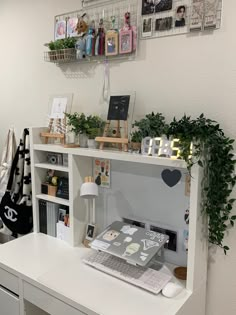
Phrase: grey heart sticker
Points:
(171, 178)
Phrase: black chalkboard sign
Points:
(118, 107)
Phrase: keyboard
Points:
(145, 278)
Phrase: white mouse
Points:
(171, 289)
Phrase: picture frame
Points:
(125, 43)
(61, 214)
(111, 43)
(90, 232)
(60, 29)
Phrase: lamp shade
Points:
(89, 190)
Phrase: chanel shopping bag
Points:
(16, 204)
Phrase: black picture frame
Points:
(118, 107)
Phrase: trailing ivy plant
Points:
(212, 150)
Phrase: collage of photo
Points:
(154, 21)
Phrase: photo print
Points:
(60, 29)
(71, 27)
(111, 43)
(180, 16)
(154, 6)
(147, 27)
(164, 24)
(125, 42)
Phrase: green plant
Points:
(62, 43)
(153, 125)
(136, 136)
(95, 126)
(77, 122)
(212, 150)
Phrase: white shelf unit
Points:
(80, 164)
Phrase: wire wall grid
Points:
(162, 24)
(96, 12)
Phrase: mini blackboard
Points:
(118, 107)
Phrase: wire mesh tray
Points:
(60, 55)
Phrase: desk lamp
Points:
(89, 190)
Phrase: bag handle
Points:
(13, 167)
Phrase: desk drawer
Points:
(47, 302)
(9, 281)
(10, 304)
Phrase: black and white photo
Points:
(147, 27)
(164, 24)
(61, 214)
(90, 232)
(154, 6)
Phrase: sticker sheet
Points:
(102, 169)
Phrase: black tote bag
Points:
(17, 217)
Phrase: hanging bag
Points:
(16, 207)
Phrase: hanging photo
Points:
(72, 27)
(147, 27)
(180, 16)
(102, 172)
(60, 29)
(154, 6)
(164, 24)
(111, 43)
(196, 18)
(210, 13)
(126, 41)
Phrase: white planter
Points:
(92, 144)
(83, 140)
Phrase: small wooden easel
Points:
(60, 135)
(116, 138)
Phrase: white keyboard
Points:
(145, 278)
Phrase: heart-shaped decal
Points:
(171, 178)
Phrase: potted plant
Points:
(153, 125)
(78, 125)
(62, 49)
(136, 139)
(95, 129)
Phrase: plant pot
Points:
(135, 146)
(92, 144)
(83, 140)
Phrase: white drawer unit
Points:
(47, 302)
(9, 303)
(9, 281)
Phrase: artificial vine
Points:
(212, 150)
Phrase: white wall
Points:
(176, 75)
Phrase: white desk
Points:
(51, 275)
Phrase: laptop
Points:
(134, 244)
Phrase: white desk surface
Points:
(57, 268)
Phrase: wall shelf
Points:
(48, 166)
(57, 200)
(112, 155)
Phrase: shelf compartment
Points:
(49, 166)
(57, 200)
(113, 155)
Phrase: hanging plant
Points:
(212, 150)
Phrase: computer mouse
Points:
(171, 289)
